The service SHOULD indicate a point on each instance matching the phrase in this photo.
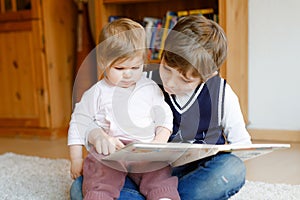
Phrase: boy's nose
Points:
(170, 83)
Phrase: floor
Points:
(281, 166)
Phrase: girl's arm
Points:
(76, 160)
(82, 118)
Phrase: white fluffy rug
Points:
(34, 178)
(265, 191)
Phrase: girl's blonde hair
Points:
(120, 40)
(196, 44)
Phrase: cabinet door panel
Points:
(21, 104)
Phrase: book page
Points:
(246, 152)
(177, 154)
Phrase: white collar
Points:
(189, 98)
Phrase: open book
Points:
(177, 154)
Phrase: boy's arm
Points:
(162, 135)
(233, 121)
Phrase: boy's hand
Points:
(162, 135)
(103, 143)
(76, 168)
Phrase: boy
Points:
(205, 109)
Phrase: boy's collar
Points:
(212, 75)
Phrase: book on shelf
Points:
(114, 17)
(156, 39)
(160, 31)
(169, 22)
(207, 12)
(149, 24)
(157, 29)
(177, 154)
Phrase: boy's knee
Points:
(76, 189)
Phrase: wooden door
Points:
(234, 20)
(24, 98)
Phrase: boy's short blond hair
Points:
(196, 44)
(120, 40)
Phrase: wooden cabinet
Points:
(37, 53)
(233, 17)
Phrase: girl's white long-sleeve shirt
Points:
(131, 114)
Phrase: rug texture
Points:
(35, 178)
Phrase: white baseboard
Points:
(275, 135)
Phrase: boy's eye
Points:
(118, 68)
(186, 81)
(165, 68)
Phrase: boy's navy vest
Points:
(199, 121)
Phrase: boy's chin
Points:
(169, 91)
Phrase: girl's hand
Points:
(76, 168)
(103, 143)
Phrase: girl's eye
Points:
(118, 68)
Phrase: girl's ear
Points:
(101, 73)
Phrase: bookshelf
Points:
(233, 17)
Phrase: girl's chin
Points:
(126, 84)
